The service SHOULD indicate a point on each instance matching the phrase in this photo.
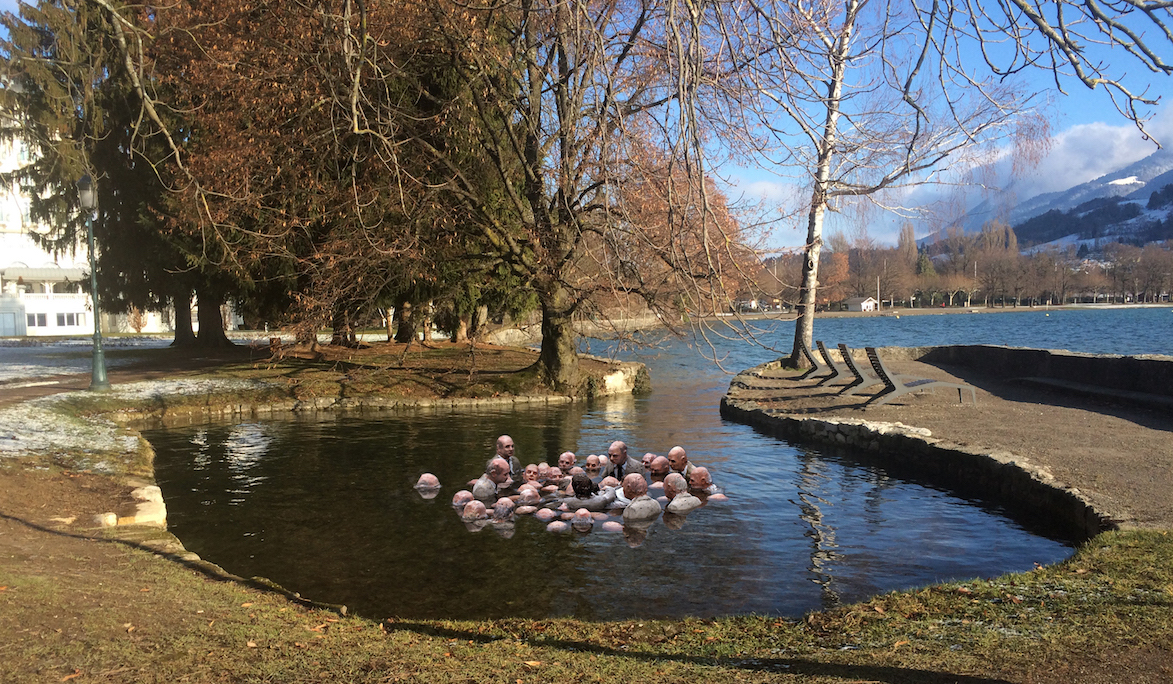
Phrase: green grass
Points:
(1115, 594)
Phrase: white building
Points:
(41, 294)
(862, 304)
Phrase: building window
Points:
(81, 319)
(64, 319)
(38, 320)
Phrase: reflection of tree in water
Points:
(812, 480)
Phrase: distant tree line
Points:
(983, 269)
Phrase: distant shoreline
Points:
(903, 311)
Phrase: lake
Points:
(324, 506)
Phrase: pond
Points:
(325, 506)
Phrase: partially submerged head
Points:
(674, 484)
(609, 481)
(700, 479)
(592, 463)
(678, 458)
(583, 487)
(498, 470)
(528, 497)
(582, 520)
(634, 485)
(566, 460)
(428, 481)
(474, 510)
(503, 509)
(459, 499)
(647, 459)
(659, 467)
(531, 473)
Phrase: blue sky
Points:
(1090, 139)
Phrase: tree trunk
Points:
(181, 303)
(211, 321)
(558, 359)
(804, 327)
(343, 334)
(389, 321)
(460, 335)
(405, 334)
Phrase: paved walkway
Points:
(1119, 456)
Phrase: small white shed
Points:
(862, 304)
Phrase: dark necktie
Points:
(619, 472)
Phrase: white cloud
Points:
(1087, 151)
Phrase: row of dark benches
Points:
(894, 384)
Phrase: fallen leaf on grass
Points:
(64, 521)
(145, 589)
(533, 663)
(963, 590)
(879, 610)
(66, 678)
(246, 605)
(129, 627)
(4, 588)
(318, 628)
(252, 644)
(898, 644)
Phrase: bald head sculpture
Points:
(700, 479)
(566, 460)
(634, 485)
(660, 468)
(617, 452)
(459, 499)
(474, 510)
(674, 483)
(505, 447)
(498, 470)
(678, 459)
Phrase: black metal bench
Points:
(863, 379)
(837, 369)
(897, 385)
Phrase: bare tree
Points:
(867, 99)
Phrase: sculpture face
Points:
(505, 446)
(459, 499)
(673, 485)
(530, 474)
(617, 452)
(660, 467)
(678, 459)
(566, 460)
(699, 479)
(647, 459)
(499, 472)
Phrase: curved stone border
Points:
(998, 474)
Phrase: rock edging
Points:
(998, 474)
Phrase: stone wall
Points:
(1147, 374)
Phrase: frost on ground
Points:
(44, 426)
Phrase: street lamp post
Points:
(85, 193)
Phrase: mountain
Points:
(1136, 181)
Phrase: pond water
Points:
(325, 506)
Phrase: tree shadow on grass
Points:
(790, 666)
